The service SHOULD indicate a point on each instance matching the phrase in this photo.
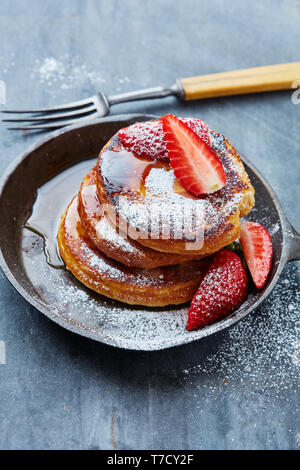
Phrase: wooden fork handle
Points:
(237, 82)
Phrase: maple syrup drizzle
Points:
(124, 172)
(90, 200)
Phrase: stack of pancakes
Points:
(134, 234)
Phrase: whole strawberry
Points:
(223, 289)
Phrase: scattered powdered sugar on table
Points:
(296, 352)
(264, 348)
(50, 68)
(65, 72)
(7, 62)
(68, 72)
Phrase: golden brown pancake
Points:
(106, 238)
(156, 287)
(152, 205)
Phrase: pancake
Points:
(156, 287)
(154, 208)
(106, 238)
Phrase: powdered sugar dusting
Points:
(72, 301)
(106, 270)
(106, 232)
(94, 217)
(264, 348)
(274, 229)
(162, 200)
(147, 139)
(222, 290)
(99, 264)
(66, 72)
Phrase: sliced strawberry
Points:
(257, 247)
(223, 289)
(194, 163)
(146, 139)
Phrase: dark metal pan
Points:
(57, 294)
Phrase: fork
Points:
(253, 80)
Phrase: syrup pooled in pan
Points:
(52, 200)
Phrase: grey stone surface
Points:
(235, 390)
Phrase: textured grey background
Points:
(238, 389)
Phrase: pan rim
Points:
(76, 327)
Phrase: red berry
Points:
(146, 139)
(223, 289)
(257, 247)
(194, 163)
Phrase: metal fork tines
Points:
(57, 116)
(90, 108)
